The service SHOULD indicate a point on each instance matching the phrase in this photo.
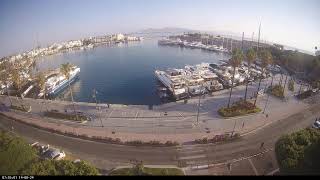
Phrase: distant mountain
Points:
(165, 30)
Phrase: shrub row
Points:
(218, 138)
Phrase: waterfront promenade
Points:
(175, 121)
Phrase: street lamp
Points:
(94, 95)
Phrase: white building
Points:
(318, 53)
(119, 37)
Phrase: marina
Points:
(125, 73)
(205, 78)
(144, 72)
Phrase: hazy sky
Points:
(22, 22)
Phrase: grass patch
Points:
(21, 108)
(148, 172)
(238, 109)
(276, 91)
(72, 117)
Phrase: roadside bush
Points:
(218, 138)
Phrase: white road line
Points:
(109, 114)
(253, 167)
(274, 171)
(192, 157)
(183, 151)
(137, 113)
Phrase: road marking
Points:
(192, 157)
(136, 115)
(253, 167)
(274, 171)
(109, 114)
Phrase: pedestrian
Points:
(262, 145)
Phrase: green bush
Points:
(239, 108)
(15, 154)
(298, 153)
(276, 90)
(291, 85)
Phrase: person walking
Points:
(262, 145)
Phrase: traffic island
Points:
(239, 108)
(72, 117)
(22, 108)
(276, 91)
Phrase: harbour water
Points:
(124, 74)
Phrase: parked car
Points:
(261, 92)
(54, 154)
(316, 125)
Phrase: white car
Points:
(261, 92)
(316, 125)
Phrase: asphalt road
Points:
(106, 156)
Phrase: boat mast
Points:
(259, 38)
(222, 41)
(252, 40)
(242, 41)
(231, 44)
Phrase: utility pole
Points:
(252, 39)
(285, 82)
(231, 44)
(259, 38)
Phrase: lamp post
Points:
(94, 95)
(201, 93)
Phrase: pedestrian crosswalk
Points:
(191, 155)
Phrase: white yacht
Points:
(173, 80)
(58, 82)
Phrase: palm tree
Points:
(266, 59)
(16, 78)
(41, 81)
(65, 70)
(235, 61)
(250, 58)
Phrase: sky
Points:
(24, 24)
